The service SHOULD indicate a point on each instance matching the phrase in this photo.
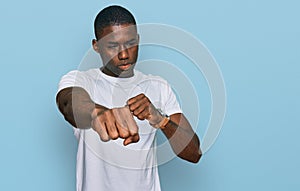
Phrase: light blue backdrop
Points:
(256, 44)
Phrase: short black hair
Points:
(112, 15)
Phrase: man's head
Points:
(116, 41)
(112, 15)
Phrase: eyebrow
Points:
(113, 43)
(132, 40)
(116, 43)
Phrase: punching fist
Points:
(115, 123)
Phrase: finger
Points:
(122, 130)
(143, 114)
(134, 99)
(110, 121)
(131, 139)
(130, 122)
(137, 102)
(144, 107)
(112, 130)
(100, 128)
(139, 105)
(120, 115)
(124, 117)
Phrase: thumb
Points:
(131, 139)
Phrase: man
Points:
(124, 108)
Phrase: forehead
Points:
(118, 33)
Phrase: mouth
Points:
(125, 66)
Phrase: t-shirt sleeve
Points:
(171, 105)
(74, 79)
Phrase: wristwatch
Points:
(162, 124)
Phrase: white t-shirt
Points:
(110, 166)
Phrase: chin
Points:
(126, 73)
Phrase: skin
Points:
(118, 48)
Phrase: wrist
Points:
(163, 121)
(98, 110)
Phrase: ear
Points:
(95, 45)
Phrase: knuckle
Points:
(104, 138)
(137, 139)
(148, 103)
(136, 112)
(145, 98)
(124, 135)
(108, 113)
(131, 107)
(134, 132)
(100, 117)
(140, 117)
(114, 136)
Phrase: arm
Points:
(183, 140)
(81, 112)
(76, 106)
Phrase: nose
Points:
(123, 53)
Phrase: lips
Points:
(124, 66)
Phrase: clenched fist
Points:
(142, 108)
(115, 123)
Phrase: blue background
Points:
(256, 44)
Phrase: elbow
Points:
(193, 157)
(196, 154)
(196, 157)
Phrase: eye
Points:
(132, 43)
(112, 46)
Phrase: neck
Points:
(123, 74)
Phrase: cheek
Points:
(108, 55)
(133, 52)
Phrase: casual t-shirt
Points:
(110, 166)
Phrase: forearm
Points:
(76, 106)
(183, 140)
(178, 130)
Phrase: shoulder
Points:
(76, 78)
(77, 74)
